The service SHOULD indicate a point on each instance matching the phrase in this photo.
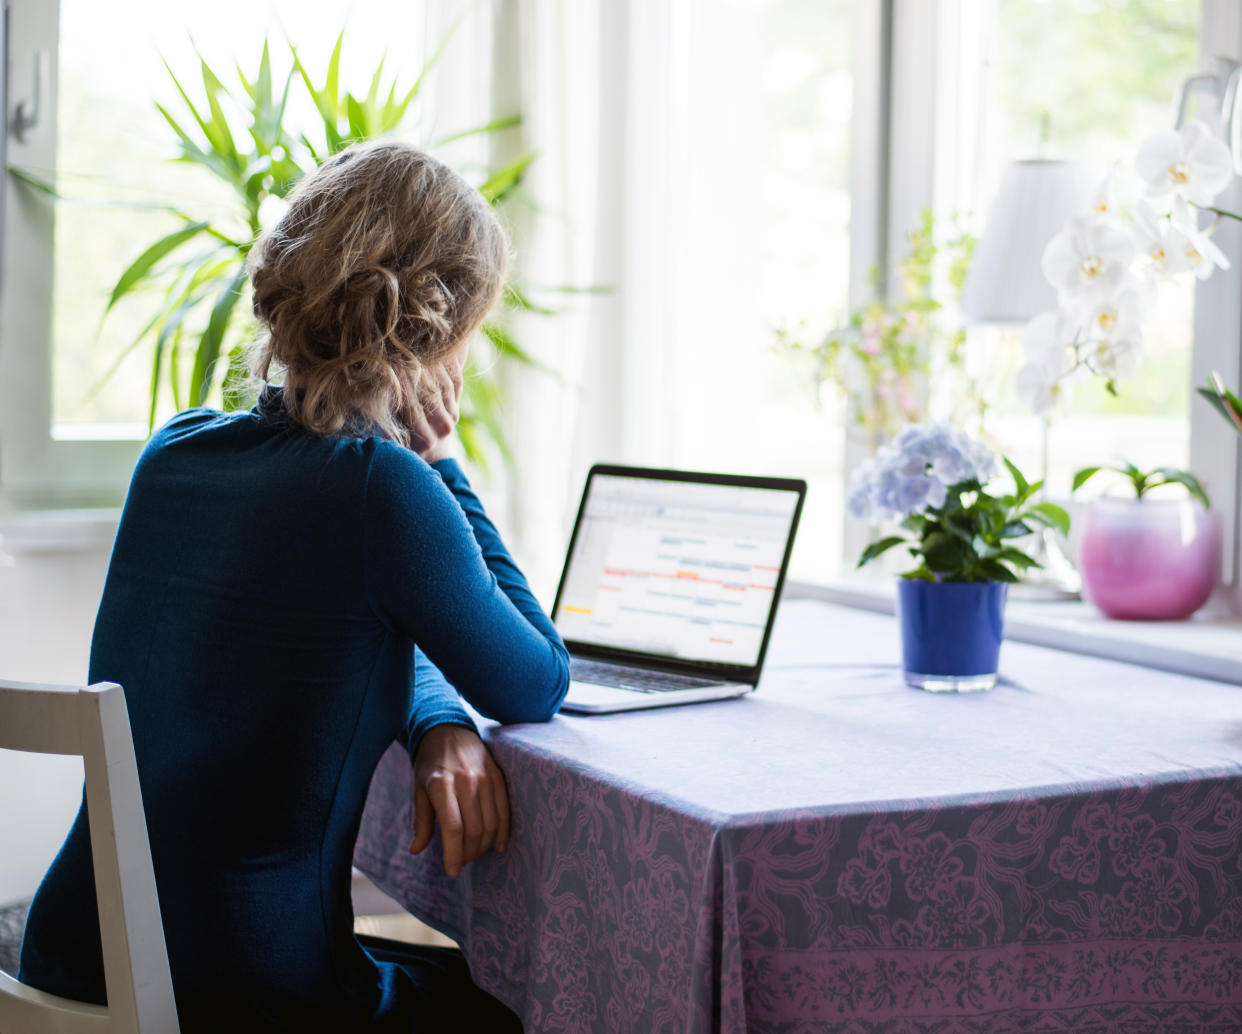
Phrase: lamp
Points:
(1006, 287)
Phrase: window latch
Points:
(26, 113)
(1222, 88)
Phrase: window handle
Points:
(1223, 87)
(27, 113)
(1231, 112)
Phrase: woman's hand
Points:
(457, 783)
(431, 423)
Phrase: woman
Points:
(286, 587)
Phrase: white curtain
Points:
(588, 79)
(674, 175)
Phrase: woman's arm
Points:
(438, 573)
(432, 702)
(457, 785)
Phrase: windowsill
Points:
(57, 531)
(1208, 645)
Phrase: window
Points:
(753, 161)
(77, 393)
(745, 163)
(1042, 80)
(998, 65)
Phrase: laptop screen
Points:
(678, 568)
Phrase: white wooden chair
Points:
(92, 721)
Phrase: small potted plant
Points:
(934, 480)
(1224, 401)
(1149, 559)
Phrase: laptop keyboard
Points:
(641, 680)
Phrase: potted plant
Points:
(1224, 401)
(261, 139)
(933, 479)
(1149, 559)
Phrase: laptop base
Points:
(584, 698)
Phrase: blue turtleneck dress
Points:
(279, 608)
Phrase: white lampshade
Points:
(1005, 284)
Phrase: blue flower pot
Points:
(950, 633)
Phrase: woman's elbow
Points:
(539, 699)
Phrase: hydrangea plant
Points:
(933, 480)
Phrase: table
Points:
(840, 853)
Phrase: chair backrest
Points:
(92, 721)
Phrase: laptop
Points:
(670, 585)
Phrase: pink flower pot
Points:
(1149, 559)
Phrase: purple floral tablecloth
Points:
(840, 853)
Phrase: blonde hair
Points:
(385, 261)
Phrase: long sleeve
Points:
(433, 702)
(438, 573)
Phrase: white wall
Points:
(48, 598)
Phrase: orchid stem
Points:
(1221, 212)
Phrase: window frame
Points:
(38, 470)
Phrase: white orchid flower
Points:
(1200, 251)
(1161, 244)
(1087, 259)
(1040, 388)
(1117, 317)
(1190, 162)
(1117, 358)
(1115, 196)
(1047, 338)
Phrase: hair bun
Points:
(427, 300)
(384, 260)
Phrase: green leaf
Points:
(1016, 529)
(1219, 405)
(996, 571)
(958, 523)
(1020, 482)
(208, 350)
(141, 266)
(983, 548)
(500, 184)
(1050, 514)
(331, 85)
(357, 118)
(944, 553)
(219, 133)
(505, 345)
(169, 331)
(588, 289)
(1083, 476)
(434, 59)
(495, 126)
(875, 549)
(1009, 555)
(374, 89)
(516, 298)
(1191, 483)
(238, 391)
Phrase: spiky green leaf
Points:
(500, 184)
(208, 350)
(142, 265)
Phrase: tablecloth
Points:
(840, 853)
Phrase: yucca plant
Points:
(200, 327)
